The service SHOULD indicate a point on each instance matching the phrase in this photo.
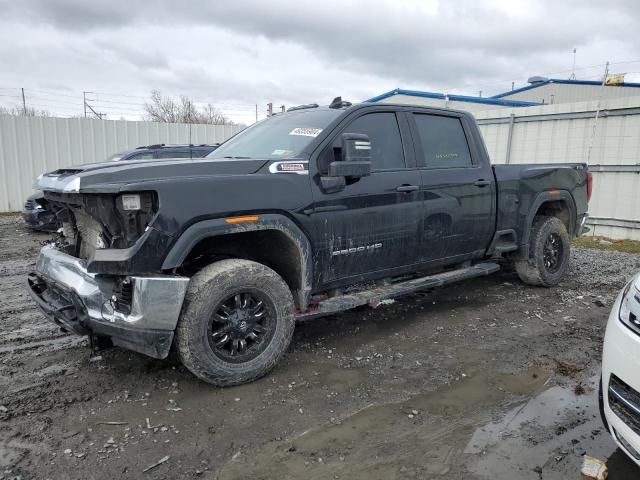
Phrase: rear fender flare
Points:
(541, 199)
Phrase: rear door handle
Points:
(407, 188)
(482, 182)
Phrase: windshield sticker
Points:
(282, 153)
(306, 132)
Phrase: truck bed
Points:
(521, 187)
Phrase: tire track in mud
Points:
(33, 351)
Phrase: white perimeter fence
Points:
(556, 133)
(30, 146)
(563, 133)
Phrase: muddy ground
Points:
(488, 379)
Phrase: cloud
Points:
(254, 51)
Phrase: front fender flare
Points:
(216, 227)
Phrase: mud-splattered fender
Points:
(543, 197)
(216, 227)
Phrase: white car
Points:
(620, 385)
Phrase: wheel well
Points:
(558, 209)
(272, 248)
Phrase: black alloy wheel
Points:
(552, 254)
(241, 326)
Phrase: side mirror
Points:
(356, 157)
(355, 163)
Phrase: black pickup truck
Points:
(218, 257)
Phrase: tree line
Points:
(159, 108)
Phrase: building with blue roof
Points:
(459, 102)
(540, 91)
(555, 90)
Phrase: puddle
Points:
(545, 438)
(421, 436)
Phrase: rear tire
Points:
(549, 253)
(236, 323)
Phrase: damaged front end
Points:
(92, 222)
(86, 280)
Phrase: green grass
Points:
(603, 243)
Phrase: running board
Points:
(377, 295)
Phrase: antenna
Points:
(573, 68)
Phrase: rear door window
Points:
(443, 142)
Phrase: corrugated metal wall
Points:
(562, 133)
(30, 146)
(551, 133)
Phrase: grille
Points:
(624, 401)
(30, 204)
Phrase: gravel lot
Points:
(485, 379)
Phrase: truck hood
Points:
(112, 176)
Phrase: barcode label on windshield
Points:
(306, 132)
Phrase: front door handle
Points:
(407, 188)
(482, 182)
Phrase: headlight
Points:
(73, 186)
(36, 182)
(629, 312)
(625, 309)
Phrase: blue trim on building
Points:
(563, 82)
(454, 98)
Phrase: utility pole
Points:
(594, 128)
(282, 108)
(269, 109)
(573, 68)
(87, 106)
(24, 103)
(256, 113)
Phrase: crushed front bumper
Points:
(81, 302)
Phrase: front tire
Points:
(549, 253)
(236, 324)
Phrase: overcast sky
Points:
(236, 53)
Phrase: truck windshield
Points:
(280, 136)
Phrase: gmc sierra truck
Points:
(307, 213)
